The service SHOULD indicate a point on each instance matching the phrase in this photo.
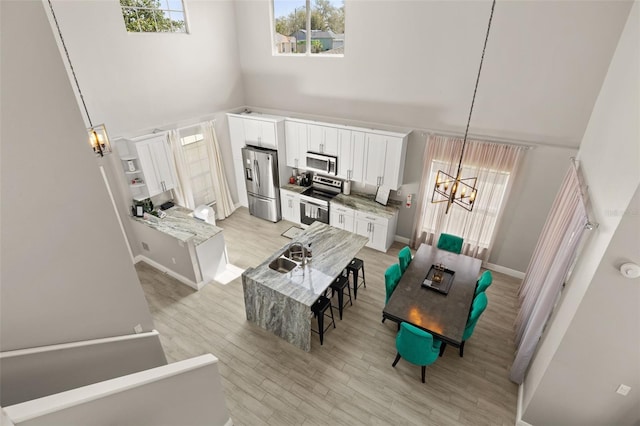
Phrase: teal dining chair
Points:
(391, 278)
(405, 258)
(477, 308)
(484, 282)
(451, 243)
(416, 346)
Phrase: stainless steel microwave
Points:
(322, 163)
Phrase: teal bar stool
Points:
(416, 346)
(404, 258)
(391, 278)
(451, 243)
(484, 282)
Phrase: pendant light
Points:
(456, 190)
(98, 138)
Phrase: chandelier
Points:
(456, 190)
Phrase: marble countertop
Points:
(366, 203)
(181, 225)
(294, 188)
(332, 249)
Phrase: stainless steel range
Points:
(314, 202)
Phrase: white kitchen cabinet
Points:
(256, 129)
(260, 133)
(156, 163)
(322, 139)
(351, 154)
(342, 217)
(290, 206)
(384, 159)
(378, 229)
(296, 144)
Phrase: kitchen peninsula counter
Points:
(187, 248)
(281, 302)
(180, 224)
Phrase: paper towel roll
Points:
(346, 188)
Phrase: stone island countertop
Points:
(180, 224)
(331, 248)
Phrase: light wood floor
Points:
(349, 380)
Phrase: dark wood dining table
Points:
(444, 316)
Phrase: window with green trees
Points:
(154, 16)
(308, 27)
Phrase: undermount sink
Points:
(282, 265)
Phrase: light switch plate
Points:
(137, 329)
(623, 390)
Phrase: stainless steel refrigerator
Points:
(261, 180)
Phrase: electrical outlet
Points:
(145, 246)
(173, 259)
(137, 329)
(399, 192)
(623, 390)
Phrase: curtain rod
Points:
(519, 142)
(584, 194)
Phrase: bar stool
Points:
(354, 267)
(319, 309)
(338, 285)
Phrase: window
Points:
(154, 16)
(197, 164)
(323, 20)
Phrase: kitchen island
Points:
(281, 302)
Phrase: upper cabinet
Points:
(157, 164)
(255, 129)
(322, 139)
(148, 165)
(296, 143)
(375, 157)
(351, 155)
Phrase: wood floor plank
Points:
(348, 380)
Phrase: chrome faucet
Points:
(301, 252)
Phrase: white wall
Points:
(138, 81)
(66, 273)
(414, 64)
(591, 345)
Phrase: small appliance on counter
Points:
(205, 213)
(346, 187)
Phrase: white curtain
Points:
(548, 268)
(182, 192)
(494, 164)
(224, 203)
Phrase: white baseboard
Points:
(182, 279)
(519, 421)
(400, 239)
(504, 270)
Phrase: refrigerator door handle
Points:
(257, 167)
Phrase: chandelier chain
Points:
(475, 89)
(66, 52)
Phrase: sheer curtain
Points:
(224, 203)
(182, 192)
(552, 259)
(494, 164)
